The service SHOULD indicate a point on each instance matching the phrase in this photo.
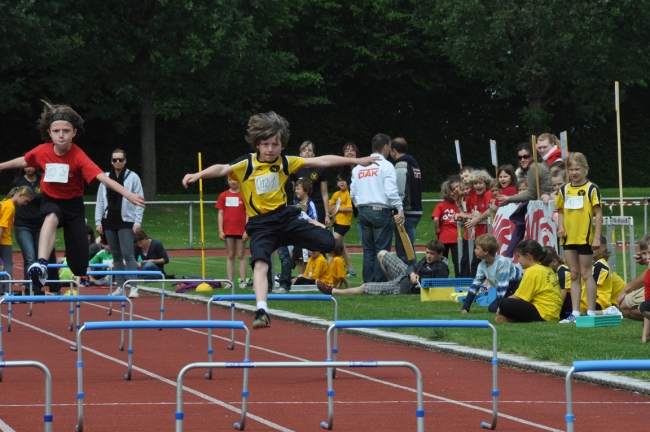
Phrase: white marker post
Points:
(620, 174)
(564, 146)
(460, 161)
(495, 160)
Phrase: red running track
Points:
(457, 391)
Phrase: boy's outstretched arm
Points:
(334, 161)
(134, 198)
(210, 172)
(19, 162)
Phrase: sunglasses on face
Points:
(528, 156)
(117, 160)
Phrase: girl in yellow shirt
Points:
(18, 196)
(538, 297)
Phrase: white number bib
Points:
(232, 201)
(267, 183)
(574, 203)
(56, 173)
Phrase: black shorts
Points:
(68, 211)
(341, 230)
(283, 227)
(583, 249)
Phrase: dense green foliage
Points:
(164, 80)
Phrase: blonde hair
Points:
(488, 243)
(266, 125)
(445, 190)
(305, 144)
(552, 139)
(480, 176)
(578, 159)
(25, 190)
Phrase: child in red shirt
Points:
(65, 167)
(232, 220)
(478, 208)
(444, 220)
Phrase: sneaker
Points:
(134, 293)
(242, 285)
(118, 291)
(612, 310)
(249, 281)
(323, 287)
(351, 273)
(280, 290)
(102, 282)
(569, 320)
(262, 319)
(38, 274)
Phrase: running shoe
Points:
(118, 291)
(571, 319)
(612, 310)
(280, 290)
(249, 281)
(38, 274)
(262, 319)
(351, 273)
(323, 287)
(134, 293)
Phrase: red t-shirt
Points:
(646, 283)
(63, 176)
(509, 191)
(479, 203)
(445, 212)
(234, 212)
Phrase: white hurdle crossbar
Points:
(420, 323)
(59, 299)
(593, 366)
(251, 297)
(48, 385)
(330, 392)
(132, 325)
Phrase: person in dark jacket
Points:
(402, 279)
(150, 254)
(409, 186)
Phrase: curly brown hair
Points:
(52, 113)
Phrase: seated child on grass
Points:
(499, 271)
(644, 307)
(337, 266)
(538, 297)
(316, 269)
(401, 279)
(104, 256)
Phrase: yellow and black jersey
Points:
(602, 275)
(262, 183)
(578, 204)
(564, 277)
(617, 286)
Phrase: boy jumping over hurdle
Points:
(271, 223)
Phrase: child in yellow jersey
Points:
(343, 218)
(262, 176)
(315, 269)
(538, 297)
(18, 196)
(578, 202)
(337, 266)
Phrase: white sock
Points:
(263, 305)
(591, 313)
(575, 313)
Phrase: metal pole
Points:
(191, 224)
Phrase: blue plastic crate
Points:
(446, 282)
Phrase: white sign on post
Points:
(563, 145)
(460, 162)
(493, 151)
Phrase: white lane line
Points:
(4, 427)
(388, 383)
(161, 378)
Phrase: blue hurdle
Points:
(419, 323)
(163, 293)
(593, 366)
(251, 297)
(48, 385)
(131, 325)
(179, 415)
(60, 299)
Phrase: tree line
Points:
(164, 80)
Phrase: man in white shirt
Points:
(374, 193)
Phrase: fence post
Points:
(191, 224)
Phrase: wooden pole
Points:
(620, 177)
(202, 225)
(533, 140)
